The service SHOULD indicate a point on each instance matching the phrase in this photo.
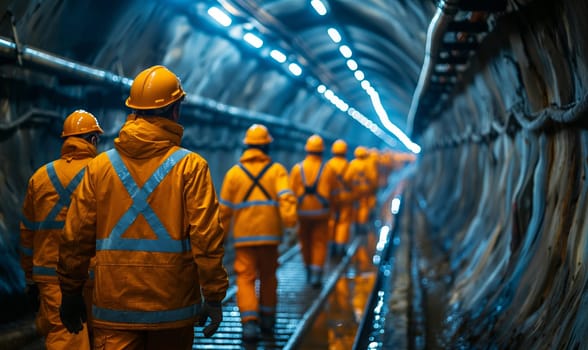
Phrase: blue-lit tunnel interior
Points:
(489, 245)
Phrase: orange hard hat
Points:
(360, 152)
(339, 147)
(314, 144)
(257, 134)
(80, 122)
(155, 87)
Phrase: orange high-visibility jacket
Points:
(257, 196)
(315, 185)
(45, 206)
(149, 211)
(340, 165)
(386, 166)
(361, 176)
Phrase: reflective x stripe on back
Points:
(64, 194)
(362, 179)
(164, 243)
(341, 177)
(311, 190)
(255, 180)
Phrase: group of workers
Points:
(134, 237)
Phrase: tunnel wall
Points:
(501, 197)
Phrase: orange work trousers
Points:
(115, 339)
(49, 324)
(363, 210)
(341, 224)
(314, 236)
(251, 263)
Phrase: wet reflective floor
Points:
(336, 325)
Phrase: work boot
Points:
(341, 250)
(268, 323)
(251, 331)
(315, 279)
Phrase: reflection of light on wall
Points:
(384, 232)
(385, 120)
(395, 205)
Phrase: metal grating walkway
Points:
(298, 304)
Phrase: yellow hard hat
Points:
(360, 152)
(80, 122)
(339, 147)
(155, 87)
(314, 144)
(257, 134)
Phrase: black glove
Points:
(32, 295)
(73, 312)
(215, 312)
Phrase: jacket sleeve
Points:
(286, 198)
(296, 181)
(27, 233)
(207, 235)
(78, 239)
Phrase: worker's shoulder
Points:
(193, 156)
(41, 172)
(279, 166)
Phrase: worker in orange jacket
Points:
(315, 185)
(373, 160)
(342, 213)
(44, 210)
(149, 211)
(386, 167)
(363, 179)
(256, 196)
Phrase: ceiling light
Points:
(329, 94)
(365, 84)
(278, 56)
(334, 34)
(321, 89)
(220, 16)
(345, 51)
(319, 7)
(253, 40)
(359, 75)
(352, 64)
(295, 69)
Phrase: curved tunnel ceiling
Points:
(381, 37)
(386, 41)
